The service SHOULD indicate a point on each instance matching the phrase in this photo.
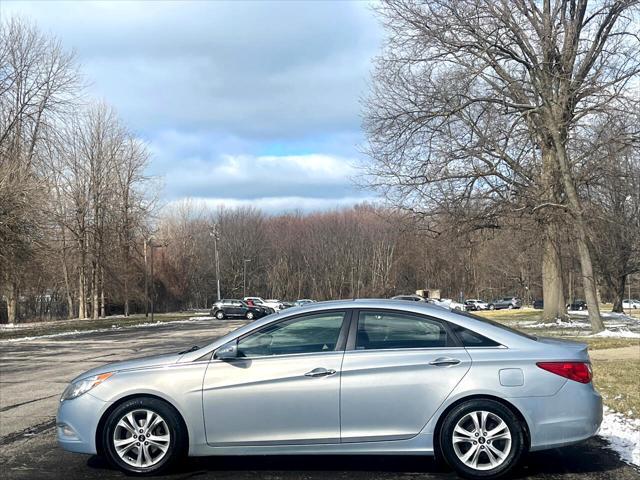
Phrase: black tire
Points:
(492, 307)
(518, 443)
(220, 315)
(177, 446)
(511, 307)
(250, 315)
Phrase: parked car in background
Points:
(631, 303)
(410, 298)
(303, 301)
(365, 377)
(538, 304)
(450, 304)
(474, 305)
(441, 302)
(233, 308)
(261, 302)
(577, 305)
(505, 302)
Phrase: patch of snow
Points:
(560, 324)
(622, 434)
(605, 315)
(621, 332)
(101, 330)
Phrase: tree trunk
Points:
(82, 278)
(103, 309)
(12, 303)
(552, 280)
(588, 279)
(618, 285)
(82, 292)
(552, 292)
(65, 273)
(94, 291)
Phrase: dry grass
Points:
(619, 384)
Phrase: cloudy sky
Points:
(242, 103)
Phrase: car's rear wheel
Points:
(492, 307)
(250, 315)
(144, 436)
(482, 439)
(220, 315)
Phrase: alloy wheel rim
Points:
(481, 440)
(141, 438)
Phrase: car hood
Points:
(136, 363)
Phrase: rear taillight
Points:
(576, 371)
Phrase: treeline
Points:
(73, 196)
(364, 251)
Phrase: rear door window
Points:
(379, 330)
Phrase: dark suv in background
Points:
(238, 309)
(505, 302)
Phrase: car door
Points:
(397, 370)
(239, 308)
(284, 388)
(227, 307)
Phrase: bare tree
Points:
(38, 81)
(477, 102)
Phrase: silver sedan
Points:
(369, 377)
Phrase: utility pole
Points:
(146, 281)
(153, 287)
(244, 277)
(153, 283)
(214, 232)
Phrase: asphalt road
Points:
(34, 373)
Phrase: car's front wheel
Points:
(482, 439)
(143, 436)
(250, 315)
(220, 315)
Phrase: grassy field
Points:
(619, 384)
(62, 326)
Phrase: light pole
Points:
(244, 277)
(153, 283)
(215, 233)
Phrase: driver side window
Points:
(309, 334)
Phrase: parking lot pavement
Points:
(34, 373)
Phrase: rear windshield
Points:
(495, 324)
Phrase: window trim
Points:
(340, 343)
(353, 331)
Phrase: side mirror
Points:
(227, 351)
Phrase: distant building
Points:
(431, 293)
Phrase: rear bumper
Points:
(573, 415)
(77, 423)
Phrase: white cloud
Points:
(240, 102)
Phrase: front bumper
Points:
(77, 423)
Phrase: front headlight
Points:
(80, 387)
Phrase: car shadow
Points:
(583, 460)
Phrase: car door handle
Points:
(444, 362)
(319, 372)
